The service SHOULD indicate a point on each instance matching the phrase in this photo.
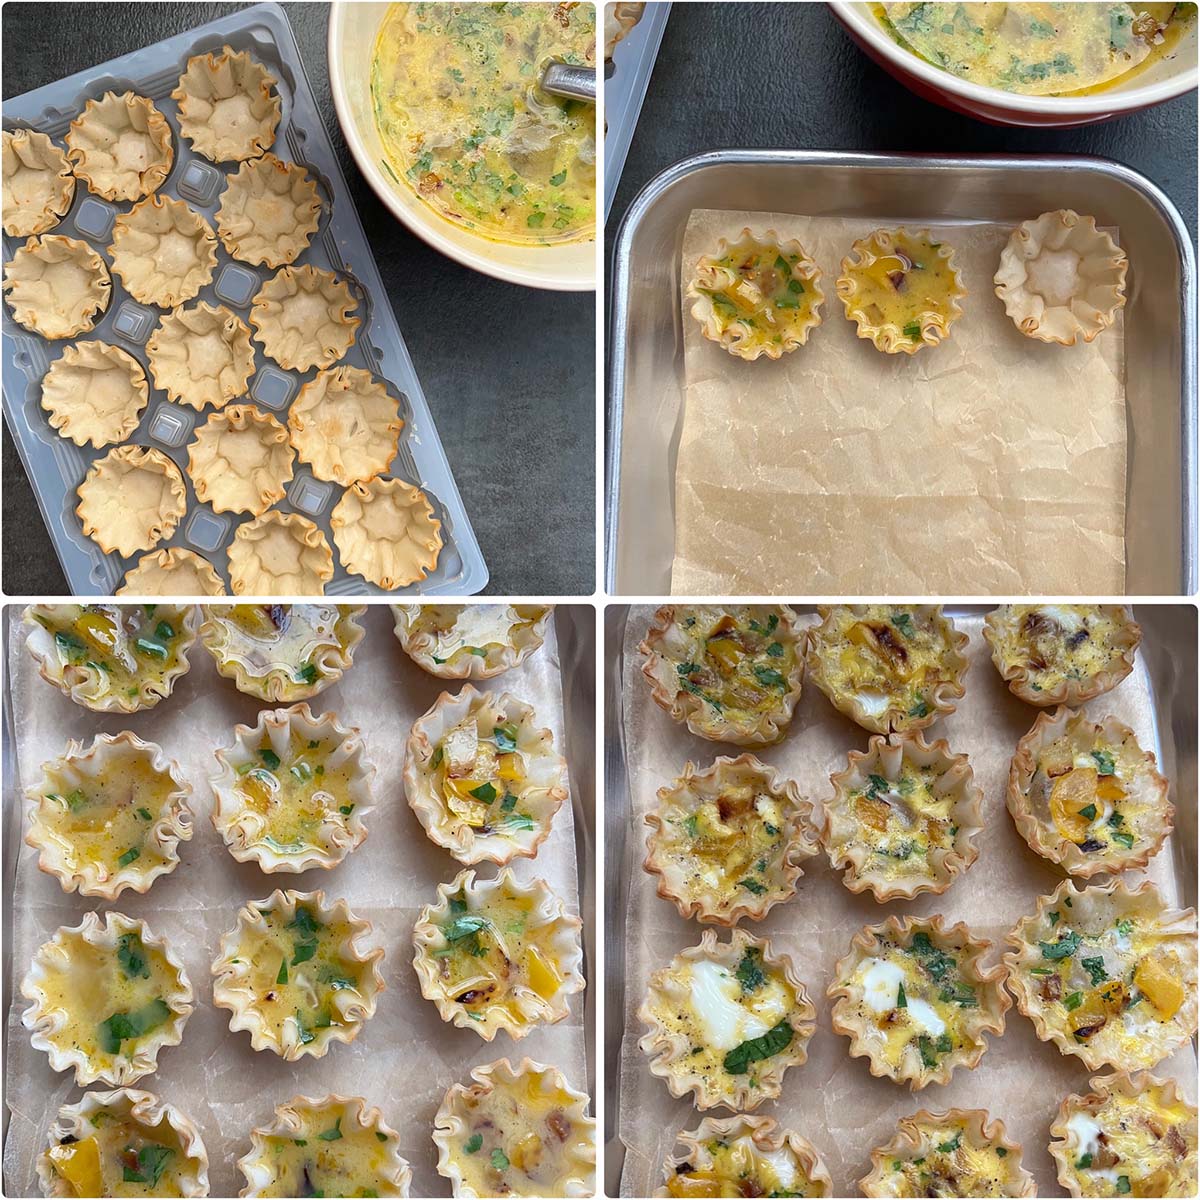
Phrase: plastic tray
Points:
(56, 466)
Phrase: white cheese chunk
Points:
(881, 984)
(1085, 1131)
(724, 1022)
(924, 1016)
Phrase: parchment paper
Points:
(991, 464)
(832, 1099)
(405, 1057)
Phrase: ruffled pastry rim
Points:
(53, 211)
(689, 709)
(547, 910)
(704, 310)
(307, 213)
(440, 825)
(238, 418)
(967, 813)
(704, 906)
(227, 808)
(237, 340)
(498, 660)
(1041, 839)
(54, 672)
(189, 128)
(246, 569)
(123, 460)
(42, 1022)
(943, 696)
(166, 831)
(909, 1138)
(97, 299)
(424, 554)
(163, 562)
(190, 284)
(232, 990)
(157, 130)
(140, 1108)
(340, 305)
(448, 1124)
(90, 356)
(292, 1119)
(1127, 638)
(666, 1050)
(623, 17)
(765, 1135)
(1131, 1085)
(969, 953)
(1022, 954)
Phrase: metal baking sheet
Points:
(646, 338)
(56, 466)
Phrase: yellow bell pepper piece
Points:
(79, 1165)
(98, 629)
(509, 766)
(526, 1155)
(543, 978)
(726, 654)
(695, 1183)
(1160, 985)
(1070, 794)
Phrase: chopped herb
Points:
(154, 649)
(1084, 1161)
(1095, 968)
(435, 760)
(769, 677)
(69, 646)
(1040, 971)
(961, 994)
(772, 831)
(334, 1134)
(1055, 917)
(270, 758)
(749, 972)
(920, 709)
(518, 821)
(952, 1145)
(875, 785)
(122, 1025)
(779, 1037)
(144, 813)
(163, 631)
(1104, 762)
(130, 855)
(1063, 948)
(505, 737)
(901, 998)
(1001, 1152)
(1116, 820)
(473, 1143)
(132, 957)
(752, 885)
(499, 1160)
(151, 1162)
(304, 921)
(304, 951)
(1073, 1000)
(1126, 839)
(1122, 1185)
(775, 650)
(1125, 926)
(1088, 812)
(282, 977)
(508, 803)
(346, 809)
(692, 826)
(903, 622)
(912, 331)
(484, 793)
(380, 1137)
(559, 179)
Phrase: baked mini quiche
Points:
(112, 657)
(1107, 974)
(1132, 1135)
(292, 791)
(914, 999)
(725, 1021)
(890, 668)
(1087, 796)
(1062, 653)
(483, 779)
(744, 1156)
(496, 954)
(293, 975)
(123, 1143)
(335, 1146)
(516, 1131)
(470, 641)
(730, 672)
(959, 1152)
(105, 997)
(726, 842)
(109, 817)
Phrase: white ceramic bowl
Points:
(352, 30)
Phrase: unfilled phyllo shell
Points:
(726, 842)
(732, 673)
(619, 19)
(120, 146)
(914, 999)
(743, 1156)
(903, 818)
(495, 954)
(106, 997)
(482, 778)
(1061, 278)
(1062, 653)
(163, 252)
(386, 532)
(201, 355)
(292, 791)
(172, 572)
(240, 460)
(302, 318)
(38, 183)
(279, 554)
(890, 668)
(109, 817)
(757, 296)
(269, 212)
(470, 641)
(57, 286)
(228, 105)
(95, 393)
(294, 976)
(108, 1140)
(131, 499)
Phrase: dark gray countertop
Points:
(509, 371)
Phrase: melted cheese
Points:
(723, 1019)
(462, 630)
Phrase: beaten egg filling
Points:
(753, 1162)
(462, 630)
(949, 1161)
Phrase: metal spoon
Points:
(565, 79)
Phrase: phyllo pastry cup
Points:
(757, 296)
(335, 1146)
(1107, 974)
(470, 641)
(914, 999)
(726, 842)
(495, 954)
(303, 318)
(482, 778)
(201, 355)
(57, 286)
(516, 1131)
(106, 997)
(163, 252)
(292, 791)
(228, 105)
(1062, 653)
(240, 460)
(112, 657)
(1131, 1135)
(94, 394)
(731, 673)
(294, 976)
(957, 1152)
(107, 1141)
(269, 212)
(619, 19)
(903, 818)
(279, 554)
(172, 572)
(890, 668)
(38, 183)
(131, 499)
(120, 146)
(725, 1021)
(109, 817)
(386, 532)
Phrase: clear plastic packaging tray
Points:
(56, 466)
